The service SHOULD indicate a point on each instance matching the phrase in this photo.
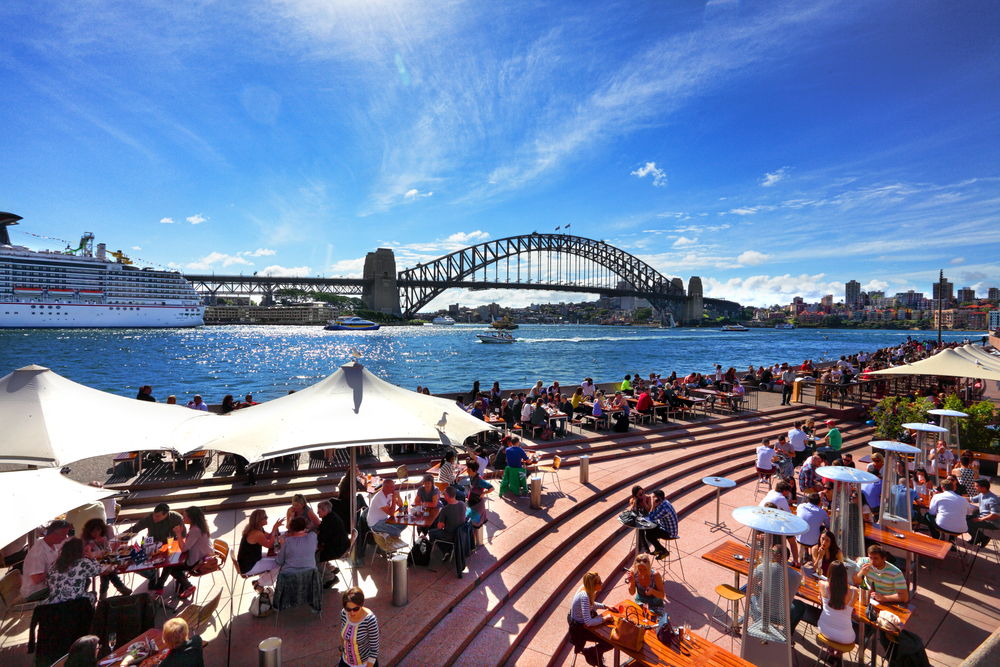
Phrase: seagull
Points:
(355, 353)
(443, 421)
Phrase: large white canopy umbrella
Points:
(48, 420)
(350, 408)
(978, 353)
(29, 498)
(946, 363)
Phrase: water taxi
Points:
(497, 338)
(504, 324)
(352, 323)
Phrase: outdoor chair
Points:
(763, 478)
(552, 470)
(211, 565)
(298, 588)
(386, 545)
(955, 538)
(199, 616)
(673, 556)
(402, 473)
(10, 593)
(832, 652)
(732, 610)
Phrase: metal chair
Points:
(552, 470)
(732, 609)
(387, 545)
(831, 651)
(673, 556)
(763, 477)
(198, 616)
(954, 538)
(401, 473)
(10, 593)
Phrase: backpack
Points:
(547, 433)
(621, 424)
(261, 605)
(420, 554)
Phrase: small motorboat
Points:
(443, 321)
(351, 324)
(498, 337)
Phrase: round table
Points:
(719, 483)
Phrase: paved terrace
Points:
(510, 608)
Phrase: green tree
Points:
(642, 314)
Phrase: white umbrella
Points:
(49, 420)
(350, 408)
(29, 498)
(984, 357)
(946, 363)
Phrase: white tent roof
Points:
(49, 420)
(947, 363)
(984, 357)
(29, 498)
(351, 407)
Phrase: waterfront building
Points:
(948, 289)
(994, 320)
(993, 294)
(966, 294)
(852, 294)
(306, 314)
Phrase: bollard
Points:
(584, 469)
(535, 486)
(269, 654)
(480, 533)
(399, 593)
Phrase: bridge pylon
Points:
(381, 293)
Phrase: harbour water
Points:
(268, 361)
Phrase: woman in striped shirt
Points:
(582, 615)
(358, 631)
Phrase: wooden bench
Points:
(591, 419)
(201, 455)
(135, 458)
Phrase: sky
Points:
(774, 148)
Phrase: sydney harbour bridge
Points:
(547, 262)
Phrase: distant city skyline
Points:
(774, 148)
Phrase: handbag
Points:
(627, 632)
(627, 518)
(665, 631)
(261, 605)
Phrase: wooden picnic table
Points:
(724, 556)
(459, 468)
(135, 458)
(123, 646)
(700, 651)
(200, 455)
(712, 395)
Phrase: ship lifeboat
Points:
(91, 293)
(27, 291)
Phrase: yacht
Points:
(444, 321)
(352, 323)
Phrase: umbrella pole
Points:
(354, 517)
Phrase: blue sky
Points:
(773, 148)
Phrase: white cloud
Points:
(771, 179)
(957, 260)
(135, 247)
(659, 177)
(413, 194)
(283, 272)
(875, 286)
(752, 258)
(348, 268)
(259, 252)
(167, 221)
(174, 265)
(197, 219)
(684, 242)
(750, 210)
(207, 262)
(768, 290)
(409, 254)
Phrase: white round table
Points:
(719, 483)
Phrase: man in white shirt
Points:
(197, 404)
(588, 387)
(948, 511)
(779, 496)
(40, 558)
(383, 507)
(797, 438)
(788, 381)
(765, 455)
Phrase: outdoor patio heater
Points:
(949, 421)
(896, 505)
(927, 436)
(767, 635)
(846, 521)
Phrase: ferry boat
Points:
(497, 338)
(505, 324)
(86, 288)
(443, 321)
(734, 327)
(352, 323)
(785, 325)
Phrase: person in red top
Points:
(645, 403)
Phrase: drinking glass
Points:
(687, 631)
(112, 640)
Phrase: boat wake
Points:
(598, 339)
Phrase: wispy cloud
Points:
(414, 194)
(196, 219)
(286, 272)
(649, 169)
(209, 261)
(259, 252)
(957, 260)
(167, 221)
(771, 179)
(752, 258)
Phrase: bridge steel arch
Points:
(422, 283)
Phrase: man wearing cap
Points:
(829, 445)
(40, 558)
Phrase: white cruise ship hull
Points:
(103, 316)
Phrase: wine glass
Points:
(112, 640)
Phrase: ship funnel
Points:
(102, 251)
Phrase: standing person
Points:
(665, 517)
(359, 637)
(41, 557)
(797, 438)
(646, 584)
(146, 394)
(196, 545)
(95, 545)
(788, 381)
(583, 615)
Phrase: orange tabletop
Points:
(701, 652)
(424, 520)
(922, 545)
(724, 555)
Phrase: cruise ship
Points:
(84, 287)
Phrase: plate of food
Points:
(138, 650)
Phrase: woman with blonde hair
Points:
(646, 585)
(250, 555)
(582, 615)
(180, 650)
(300, 507)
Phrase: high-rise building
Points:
(909, 298)
(994, 316)
(993, 294)
(852, 294)
(949, 290)
(966, 294)
(826, 301)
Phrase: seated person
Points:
(159, 525)
(196, 545)
(428, 494)
(96, 543)
(646, 584)
(988, 513)
(446, 473)
(665, 517)
(825, 552)
(583, 615)
(180, 650)
(332, 541)
(598, 409)
(809, 481)
(69, 577)
(250, 555)
(640, 502)
(539, 416)
(298, 547)
(765, 455)
(526, 409)
(383, 507)
(645, 404)
(835, 621)
(300, 507)
(507, 412)
(813, 514)
(948, 511)
(777, 589)
(514, 474)
(883, 578)
(451, 516)
(39, 560)
(736, 400)
(478, 487)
